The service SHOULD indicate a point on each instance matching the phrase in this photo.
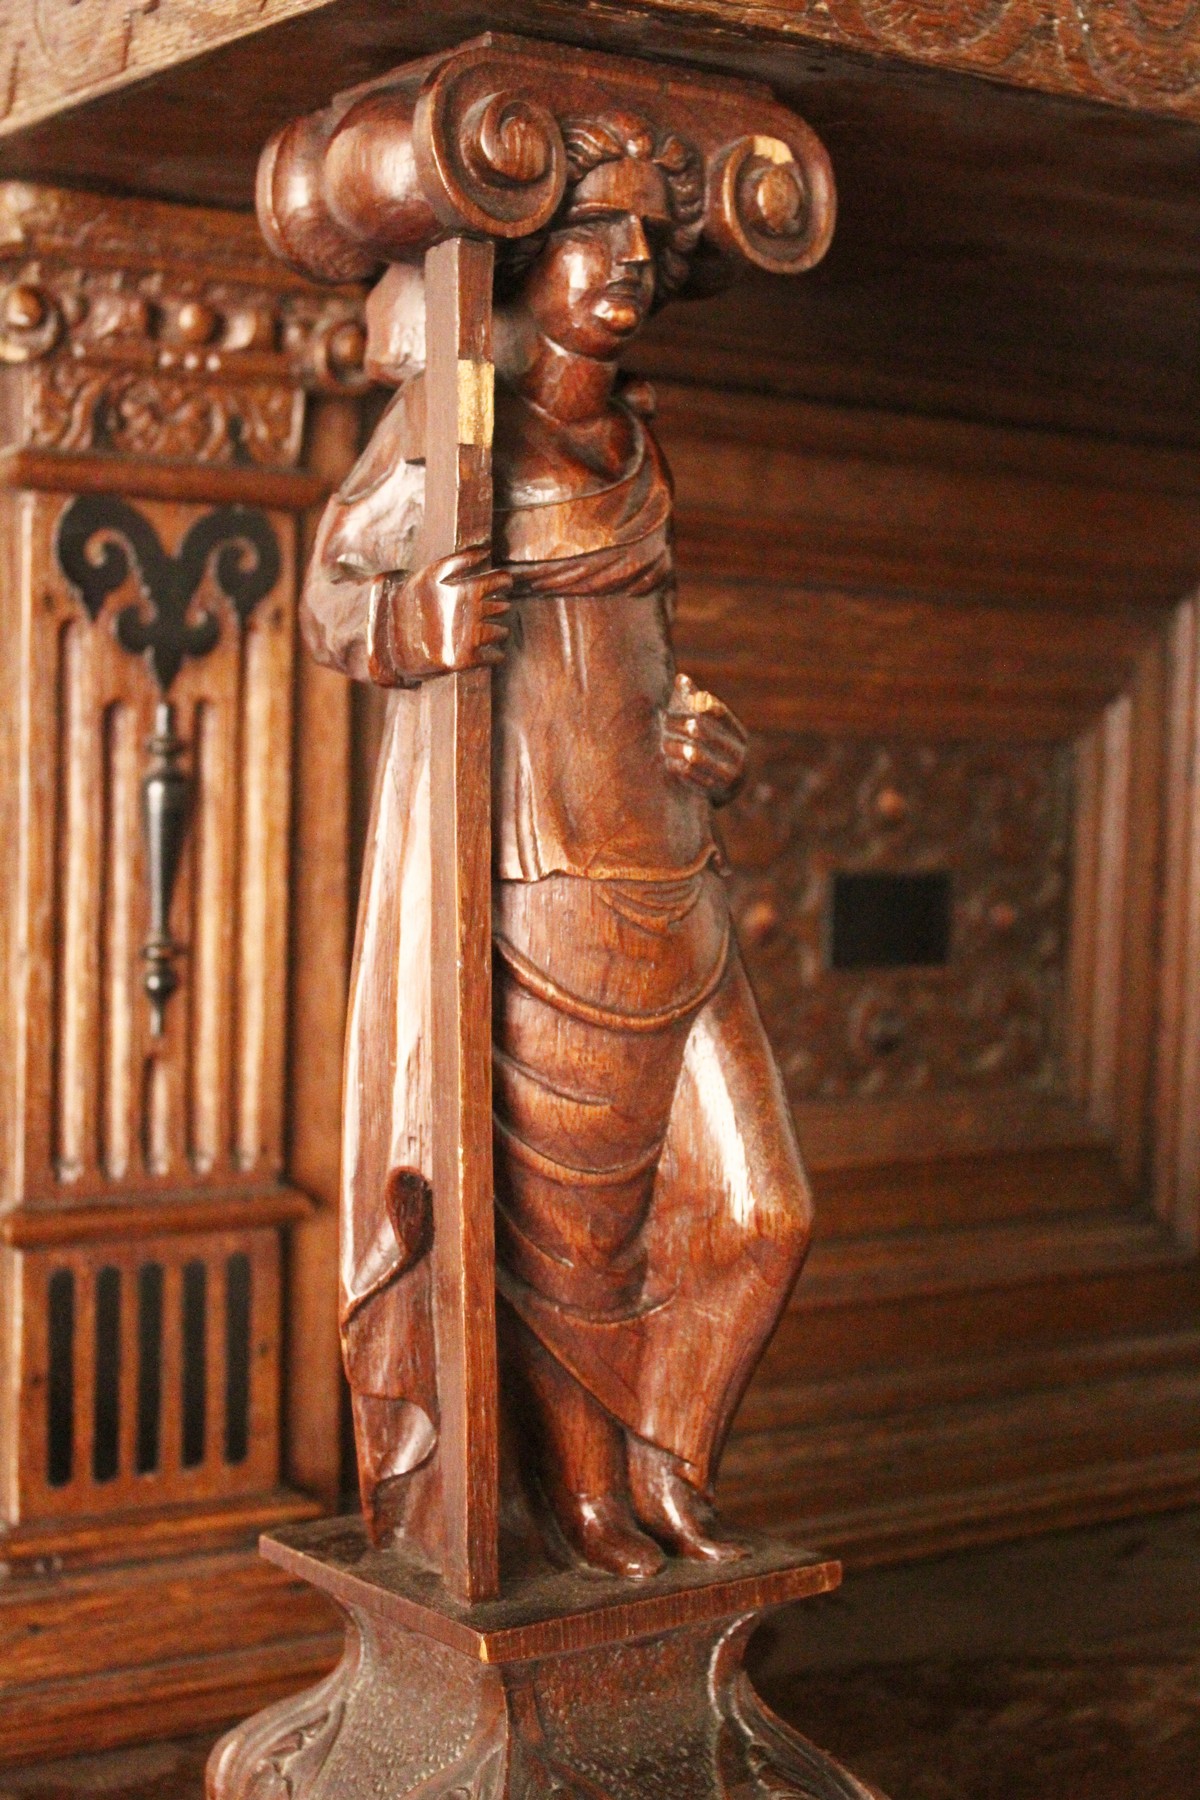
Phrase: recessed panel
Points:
(903, 910)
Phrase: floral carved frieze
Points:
(148, 355)
(1138, 52)
(992, 820)
(1146, 52)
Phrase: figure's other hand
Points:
(448, 615)
(704, 742)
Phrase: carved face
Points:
(592, 286)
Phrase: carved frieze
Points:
(1117, 49)
(994, 819)
(132, 350)
(54, 52)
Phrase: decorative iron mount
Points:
(101, 540)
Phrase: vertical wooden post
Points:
(458, 513)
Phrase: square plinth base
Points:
(544, 1611)
(571, 1686)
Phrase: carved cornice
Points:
(161, 332)
(1122, 50)
(54, 53)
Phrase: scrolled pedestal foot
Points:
(278, 1753)
(557, 1698)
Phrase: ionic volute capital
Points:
(482, 140)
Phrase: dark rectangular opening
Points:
(237, 1358)
(195, 1385)
(106, 1420)
(149, 1386)
(888, 921)
(60, 1394)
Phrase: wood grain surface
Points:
(54, 57)
(156, 373)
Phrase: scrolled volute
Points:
(489, 148)
(772, 201)
(472, 142)
(293, 212)
(392, 167)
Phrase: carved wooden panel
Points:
(156, 411)
(109, 1106)
(149, 1374)
(994, 819)
(54, 51)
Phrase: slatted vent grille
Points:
(156, 1377)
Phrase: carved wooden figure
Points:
(573, 1203)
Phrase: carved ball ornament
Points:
(477, 142)
(31, 322)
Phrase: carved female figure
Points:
(651, 1207)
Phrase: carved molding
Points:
(996, 817)
(56, 52)
(134, 343)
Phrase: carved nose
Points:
(637, 245)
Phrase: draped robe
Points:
(650, 1226)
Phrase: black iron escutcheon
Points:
(100, 541)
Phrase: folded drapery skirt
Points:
(652, 1211)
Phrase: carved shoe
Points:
(600, 1528)
(671, 1508)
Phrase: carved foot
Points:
(602, 1531)
(671, 1508)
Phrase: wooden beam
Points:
(458, 503)
(56, 55)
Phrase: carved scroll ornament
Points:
(477, 142)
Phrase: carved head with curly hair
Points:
(620, 242)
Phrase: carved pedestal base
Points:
(575, 1686)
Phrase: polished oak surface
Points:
(52, 56)
(538, 1538)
